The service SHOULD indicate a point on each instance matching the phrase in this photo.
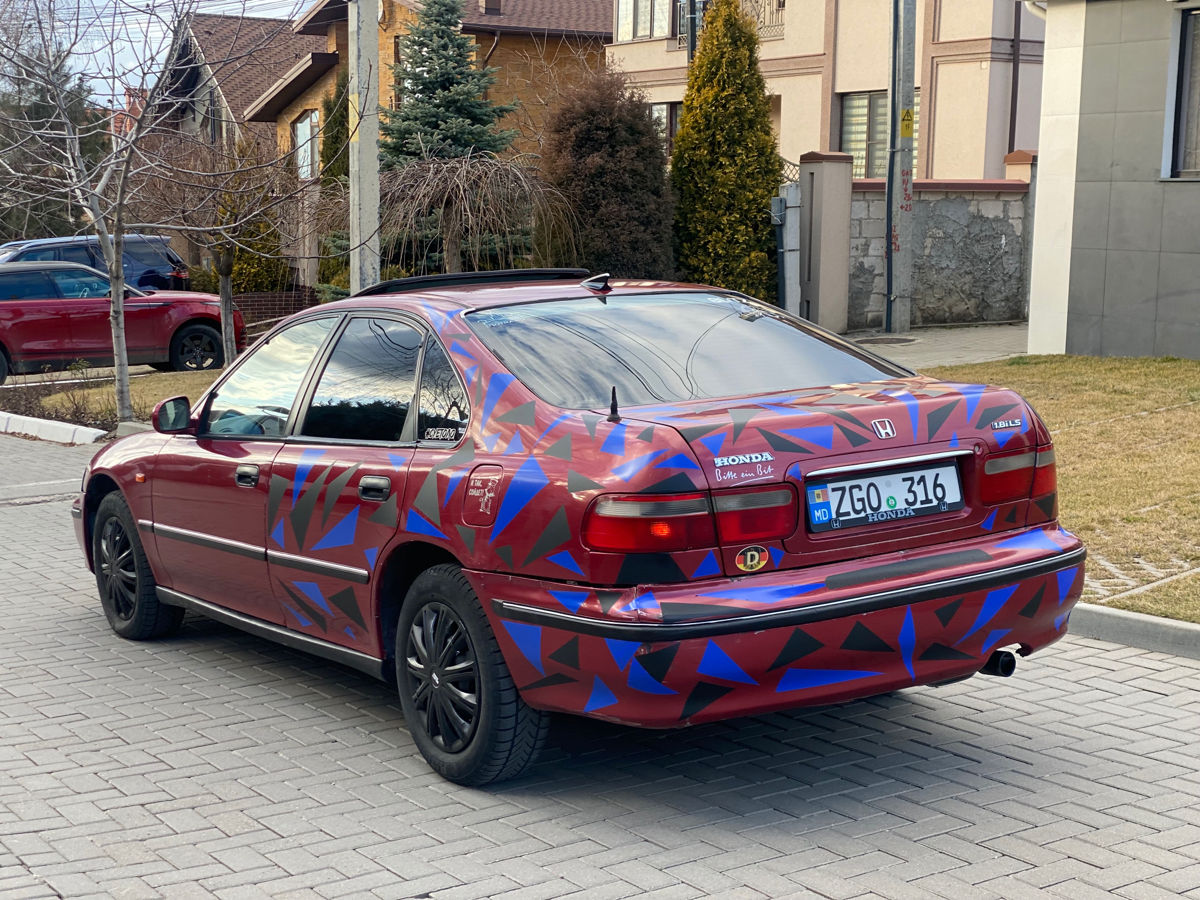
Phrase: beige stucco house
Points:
(1116, 254)
(539, 47)
(826, 68)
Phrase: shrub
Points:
(605, 152)
(725, 168)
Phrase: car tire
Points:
(124, 579)
(458, 698)
(196, 348)
(3, 367)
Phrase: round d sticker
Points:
(751, 559)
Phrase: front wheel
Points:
(458, 697)
(197, 348)
(124, 579)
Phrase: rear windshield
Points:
(665, 348)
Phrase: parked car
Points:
(55, 313)
(659, 504)
(150, 263)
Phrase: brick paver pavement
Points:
(216, 764)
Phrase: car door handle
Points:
(374, 487)
(247, 476)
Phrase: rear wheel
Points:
(196, 348)
(123, 576)
(3, 367)
(458, 697)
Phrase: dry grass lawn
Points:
(1127, 440)
(1127, 433)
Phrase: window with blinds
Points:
(865, 131)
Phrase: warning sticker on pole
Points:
(906, 122)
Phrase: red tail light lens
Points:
(759, 514)
(636, 523)
(1007, 477)
(1019, 476)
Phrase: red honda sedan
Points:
(518, 493)
(55, 313)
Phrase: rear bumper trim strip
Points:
(758, 621)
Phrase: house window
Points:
(667, 117)
(865, 131)
(638, 19)
(304, 143)
(1187, 111)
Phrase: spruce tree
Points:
(725, 167)
(605, 153)
(335, 133)
(442, 110)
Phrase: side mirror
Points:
(173, 416)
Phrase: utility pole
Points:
(900, 167)
(693, 29)
(364, 143)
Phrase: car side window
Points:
(443, 406)
(257, 398)
(77, 284)
(77, 254)
(25, 286)
(39, 255)
(367, 387)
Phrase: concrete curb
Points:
(48, 430)
(1136, 630)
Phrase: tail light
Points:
(758, 514)
(635, 523)
(1007, 477)
(1019, 476)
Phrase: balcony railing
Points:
(768, 14)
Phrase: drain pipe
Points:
(1037, 9)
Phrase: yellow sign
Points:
(906, 123)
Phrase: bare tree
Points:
(226, 197)
(483, 207)
(136, 116)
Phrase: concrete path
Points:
(924, 348)
(216, 764)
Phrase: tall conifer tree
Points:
(442, 111)
(725, 167)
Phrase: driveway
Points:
(216, 764)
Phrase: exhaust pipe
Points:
(1001, 663)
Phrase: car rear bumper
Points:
(665, 656)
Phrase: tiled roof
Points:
(247, 55)
(583, 16)
(528, 16)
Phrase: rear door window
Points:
(77, 253)
(367, 387)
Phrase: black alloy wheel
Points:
(459, 700)
(123, 576)
(116, 569)
(197, 348)
(444, 677)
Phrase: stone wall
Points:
(972, 255)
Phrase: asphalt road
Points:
(216, 764)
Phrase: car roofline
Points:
(441, 281)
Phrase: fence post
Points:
(823, 257)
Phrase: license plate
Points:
(870, 499)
